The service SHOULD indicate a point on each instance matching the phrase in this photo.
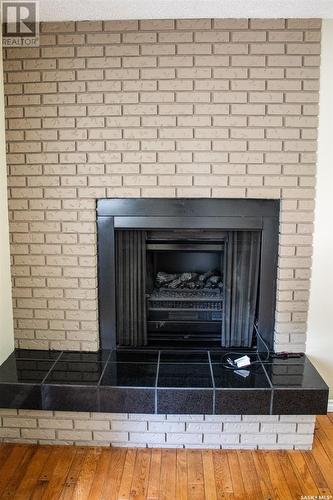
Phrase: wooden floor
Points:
(58, 472)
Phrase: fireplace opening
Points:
(179, 274)
(184, 287)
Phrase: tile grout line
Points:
(156, 380)
(213, 381)
(104, 368)
(53, 365)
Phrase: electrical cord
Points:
(229, 365)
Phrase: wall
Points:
(162, 431)
(6, 332)
(320, 335)
(208, 108)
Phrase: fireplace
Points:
(177, 273)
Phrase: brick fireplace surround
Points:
(187, 108)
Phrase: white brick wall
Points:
(172, 108)
(167, 431)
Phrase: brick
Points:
(74, 435)
(121, 427)
(158, 25)
(278, 427)
(9, 433)
(230, 24)
(38, 433)
(120, 25)
(181, 438)
(169, 427)
(203, 122)
(19, 422)
(209, 427)
(255, 439)
(92, 425)
(296, 439)
(193, 24)
(221, 439)
(55, 423)
(303, 23)
(248, 36)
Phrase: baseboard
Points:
(330, 405)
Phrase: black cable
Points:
(252, 363)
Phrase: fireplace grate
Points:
(185, 299)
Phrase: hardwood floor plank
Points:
(262, 470)
(280, 488)
(249, 475)
(324, 430)
(223, 480)
(35, 467)
(325, 443)
(87, 474)
(153, 492)
(181, 479)
(141, 474)
(19, 473)
(301, 469)
(326, 423)
(52, 479)
(324, 463)
(195, 476)
(209, 477)
(127, 476)
(316, 473)
(5, 450)
(168, 475)
(291, 478)
(11, 464)
(100, 476)
(113, 479)
(236, 475)
(73, 474)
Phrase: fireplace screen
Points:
(186, 287)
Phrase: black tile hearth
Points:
(297, 386)
(134, 356)
(24, 371)
(184, 357)
(184, 375)
(159, 382)
(21, 396)
(252, 378)
(283, 358)
(100, 356)
(246, 402)
(70, 397)
(75, 373)
(189, 401)
(299, 401)
(127, 400)
(294, 375)
(221, 356)
(130, 374)
(36, 354)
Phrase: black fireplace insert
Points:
(178, 273)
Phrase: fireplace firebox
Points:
(177, 273)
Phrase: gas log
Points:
(189, 280)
